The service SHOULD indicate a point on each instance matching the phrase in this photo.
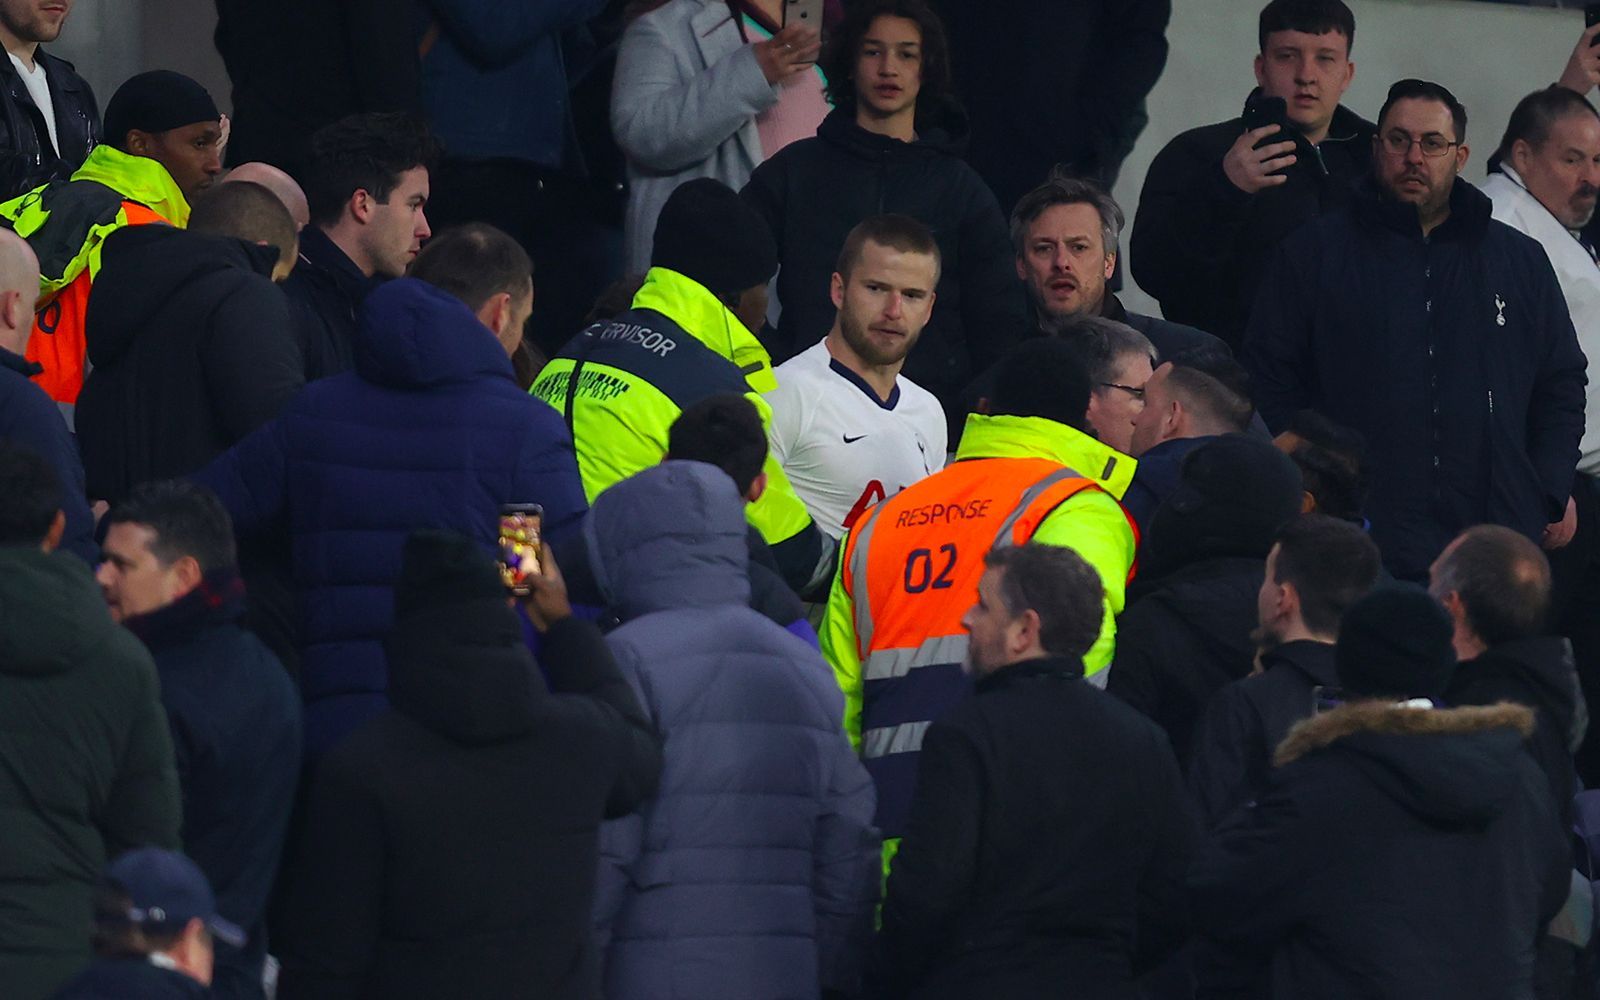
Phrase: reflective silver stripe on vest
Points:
(904, 738)
(887, 664)
(860, 558)
(1002, 540)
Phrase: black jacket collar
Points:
(1311, 659)
(318, 249)
(1470, 213)
(19, 364)
(218, 600)
(1059, 667)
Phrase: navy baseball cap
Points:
(167, 890)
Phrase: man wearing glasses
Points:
(1438, 332)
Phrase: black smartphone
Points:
(1261, 111)
(1591, 17)
(519, 545)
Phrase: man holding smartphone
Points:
(1218, 198)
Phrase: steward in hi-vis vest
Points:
(623, 382)
(910, 567)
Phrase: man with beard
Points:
(1543, 183)
(847, 427)
(48, 117)
(1437, 332)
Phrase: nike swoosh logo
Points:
(852, 440)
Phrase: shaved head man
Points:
(280, 184)
(19, 290)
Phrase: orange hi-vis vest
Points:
(57, 342)
(911, 566)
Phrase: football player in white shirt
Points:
(846, 427)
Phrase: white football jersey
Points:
(843, 448)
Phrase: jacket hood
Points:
(51, 611)
(941, 131)
(672, 536)
(462, 671)
(412, 335)
(1454, 768)
(1543, 666)
(149, 265)
(1215, 599)
(136, 178)
(986, 436)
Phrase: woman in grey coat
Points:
(692, 80)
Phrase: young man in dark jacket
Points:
(1005, 885)
(367, 186)
(1317, 569)
(892, 144)
(189, 340)
(1219, 198)
(48, 117)
(1192, 609)
(170, 578)
(1401, 851)
(1496, 586)
(1438, 332)
(86, 766)
(429, 430)
(753, 873)
(451, 844)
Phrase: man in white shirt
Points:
(846, 427)
(48, 116)
(1544, 181)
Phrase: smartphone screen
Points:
(519, 544)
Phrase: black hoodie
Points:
(1538, 673)
(191, 350)
(1398, 853)
(451, 844)
(813, 192)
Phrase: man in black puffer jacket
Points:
(892, 144)
(1401, 851)
(1436, 331)
(451, 843)
(189, 338)
(1192, 610)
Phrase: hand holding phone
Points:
(1582, 71)
(791, 51)
(546, 597)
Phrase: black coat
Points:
(349, 58)
(1540, 674)
(1454, 355)
(235, 721)
(325, 290)
(451, 844)
(1006, 884)
(1183, 636)
(1097, 76)
(1243, 724)
(29, 418)
(1398, 853)
(813, 192)
(132, 979)
(190, 346)
(27, 159)
(1199, 244)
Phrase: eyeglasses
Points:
(1433, 144)
(1136, 391)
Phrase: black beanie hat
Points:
(1395, 643)
(442, 567)
(708, 234)
(156, 102)
(1042, 377)
(1233, 495)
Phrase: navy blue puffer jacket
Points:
(428, 431)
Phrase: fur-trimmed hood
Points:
(1452, 767)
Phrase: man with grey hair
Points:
(1120, 361)
(1065, 235)
(969, 872)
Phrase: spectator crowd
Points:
(903, 617)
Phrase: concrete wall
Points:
(1490, 56)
